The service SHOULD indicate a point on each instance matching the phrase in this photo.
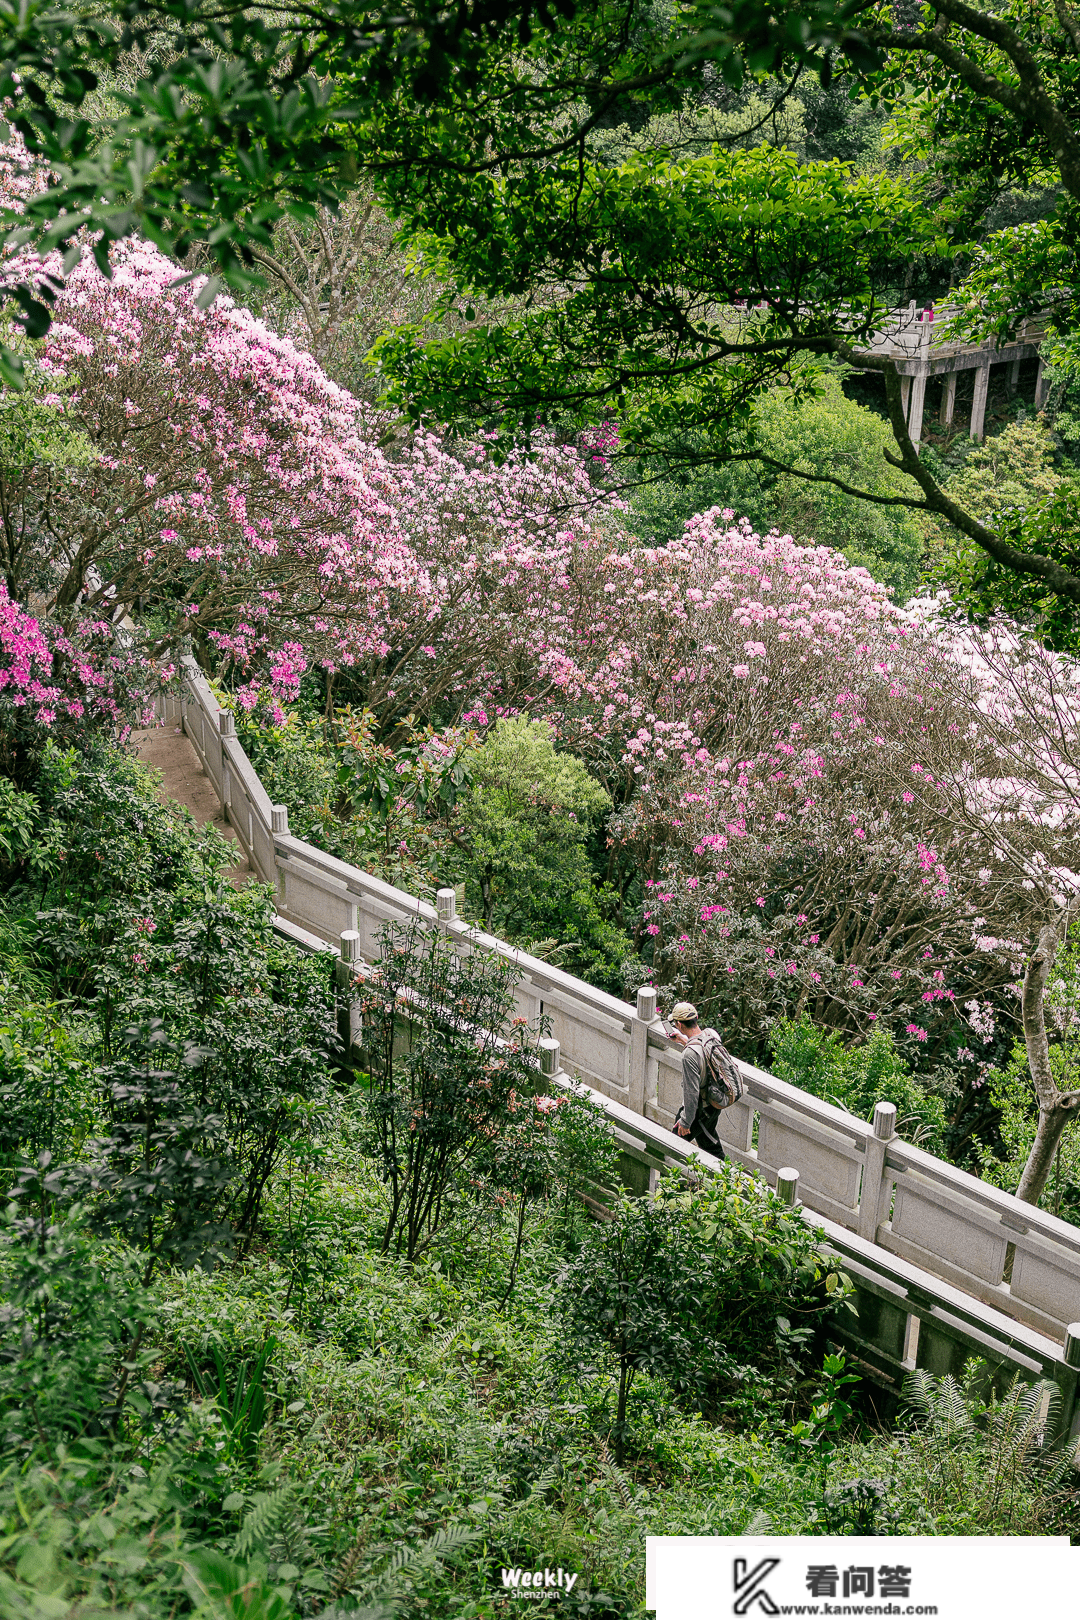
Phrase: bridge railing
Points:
(906, 1207)
(909, 336)
(906, 1316)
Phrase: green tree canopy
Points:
(826, 430)
(203, 124)
(523, 831)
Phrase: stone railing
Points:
(909, 334)
(946, 1265)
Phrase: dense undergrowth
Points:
(226, 1388)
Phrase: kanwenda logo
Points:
(749, 1584)
(539, 1583)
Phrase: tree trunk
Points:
(1056, 1108)
(626, 1376)
(1052, 1121)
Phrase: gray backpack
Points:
(721, 1081)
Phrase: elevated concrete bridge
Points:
(917, 345)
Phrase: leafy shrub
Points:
(1012, 481)
(262, 1018)
(637, 1290)
(74, 1316)
(694, 1288)
(166, 1165)
(102, 832)
(1013, 468)
(522, 830)
(770, 1288)
(142, 930)
(381, 807)
(449, 1063)
(93, 1534)
(48, 1102)
(855, 1078)
(510, 816)
(18, 827)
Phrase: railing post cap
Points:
(350, 945)
(226, 724)
(1072, 1344)
(646, 1003)
(884, 1120)
(279, 818)
(787, 1185)
(446, 904)
(549, 1056)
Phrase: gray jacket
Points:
(692, 1059)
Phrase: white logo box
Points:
(952, 1577)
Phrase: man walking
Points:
(696, 1118)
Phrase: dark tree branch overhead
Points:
(1029, 98)
(936, 499)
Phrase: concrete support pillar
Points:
(948, 399)
(905, 394)
(915, 409)
(977, 429)
(1042, 385)
(1014, 378)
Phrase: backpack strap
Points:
(704, 1042)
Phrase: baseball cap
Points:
(684, 1012)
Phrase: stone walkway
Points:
(185, 782)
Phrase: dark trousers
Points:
(703, 1135)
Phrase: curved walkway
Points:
(184, 782)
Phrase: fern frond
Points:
(941, 1404)
(443, 1344)
(433, 1550)
(543, 1481)
(343, 1576)
(1062, 1463)
(261, 1523)
(760, 1524)
(1018, 1425)
(616, 1476)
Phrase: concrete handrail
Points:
(1014, 1260)
(906, 1317)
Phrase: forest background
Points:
(522, 499)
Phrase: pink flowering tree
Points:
(234, 493)
(212, 481)
(790, 749)
(503, 560)
(1028, 804)
(226, 489)
(53, 685)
